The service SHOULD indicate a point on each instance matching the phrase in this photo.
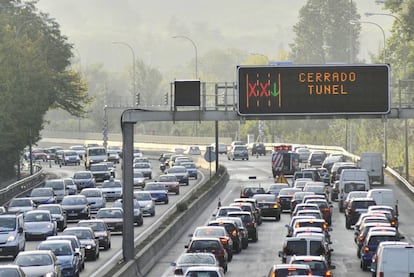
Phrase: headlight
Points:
(148, 205)
(84, 210)
(88, 247)
(11, 238)
(50, 226)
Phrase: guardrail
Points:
(22, 186)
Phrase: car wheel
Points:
(255, 238)
(278, 217)
(95, 257)
(245, 244)
(166, 201)
(358, 254)
(347, 224)
(150, 176)
(225, 268)
(153, 213)
(230, 255)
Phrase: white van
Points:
(373, 163)
(351, 180)
(95, 155)
(384, 197)
(393, 259)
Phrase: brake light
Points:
(366, 249)
(360, 239)
(393, 223)
(273, 274)
(326, 209)
(275, 206)
(328, 274)
(224, 240)
(234, 233)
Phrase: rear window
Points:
(354, 187)
(362, 204)
(204, 245)
(375, 240)
(296, 248)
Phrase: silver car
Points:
(39, 263)
(146, 202)
(39, 224)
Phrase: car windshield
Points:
(195, 258)
(41, 192)
(165, 178)
(141, 165)
(33, 260)
(20, 202)
(81, 234)
(97, 152)
(177, 170)
(92, 193)
(58, 185)
(59, 249)
(154, 186)
(348, 187)
(201, 273)
(71, 153)
(36, 217)
(83, 175)
(314, 265)
(53, 209)
(111, 184)
(142, 196)
(204, 245)
(109, 213)
(7, 223)
(74, 201)
(209, 232)
(99, 167)
(138, 174)
(94, 225)
(265, 198)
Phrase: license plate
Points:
(72, 214)
(265, 206)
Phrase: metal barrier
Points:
(22, 186)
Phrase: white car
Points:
(112, 189)
(145, 168)
(204, 271)
(139, 179)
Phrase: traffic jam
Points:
(307, 185)
(72, 220)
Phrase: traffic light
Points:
(137, 99)
(166, 99)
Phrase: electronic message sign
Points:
(314, 90)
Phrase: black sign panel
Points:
(314, 90)
(187, 93)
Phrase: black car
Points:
(259, 149)
(76, 207)
(100, 171)
(249, 222)
(87, 239)
(233, 231)
(355, 208)
(249, 191)
(285, 198)
(268, 205)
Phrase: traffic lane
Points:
(257, 259)
(91, 267)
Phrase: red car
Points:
(171, 183)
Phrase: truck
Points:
(373, 163)
(351, 180)
(284, 160)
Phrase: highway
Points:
(257, 259)
(113, 255)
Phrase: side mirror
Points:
(280, 254)
(20, 230)
(186, 246)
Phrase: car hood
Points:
(37, 225)
(73, 207)
(144, 203)
(82, 180)
(4, 236)
(111, 220)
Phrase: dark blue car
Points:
(158, 191)
(371, 243)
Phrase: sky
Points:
(148, 27)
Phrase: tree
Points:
(34, 78)
(324, 33)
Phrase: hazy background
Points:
(259, 26)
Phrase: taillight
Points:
(234, 233)
(275, 206)
(224, 240)
(328, 274)
(381, 274)
(366, 249)
(326, 209)
(360, 239)
(219, 252)
(393, 223)
(273, 274)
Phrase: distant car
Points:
(111, 167)
(191, 169)
(58, 186)
(20, 205)
(113, 155)
(87, 239)
(95, 198)
(318, 264)
(258, 149)
(139, 179)
(43, 196)
(275, 188)
(39, 263)
(249, 191)
(79, 149)
(304, 153)
(112, 189)
(70, 157)
(238, 152)
(222, 148)
(159, 192)
(70, 186)
(100, 229)
(145, 168)
(316, 158)
(84, 179)
(57, 213)
(100, 171)
(187, 260)
(193, 150)
(65, 254)
(180, 172)
(171, 183)
(146, 202)
(268, 205)
(138, 218)
(76, 207)
(39, 224)
(113, 217)
(289, 270)
(137, 153)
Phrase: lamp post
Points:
(383, 60)
(133, 68)
(196, 67)
(405, 52)
(195, 50)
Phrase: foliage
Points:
(34, 78)
(324, 33)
